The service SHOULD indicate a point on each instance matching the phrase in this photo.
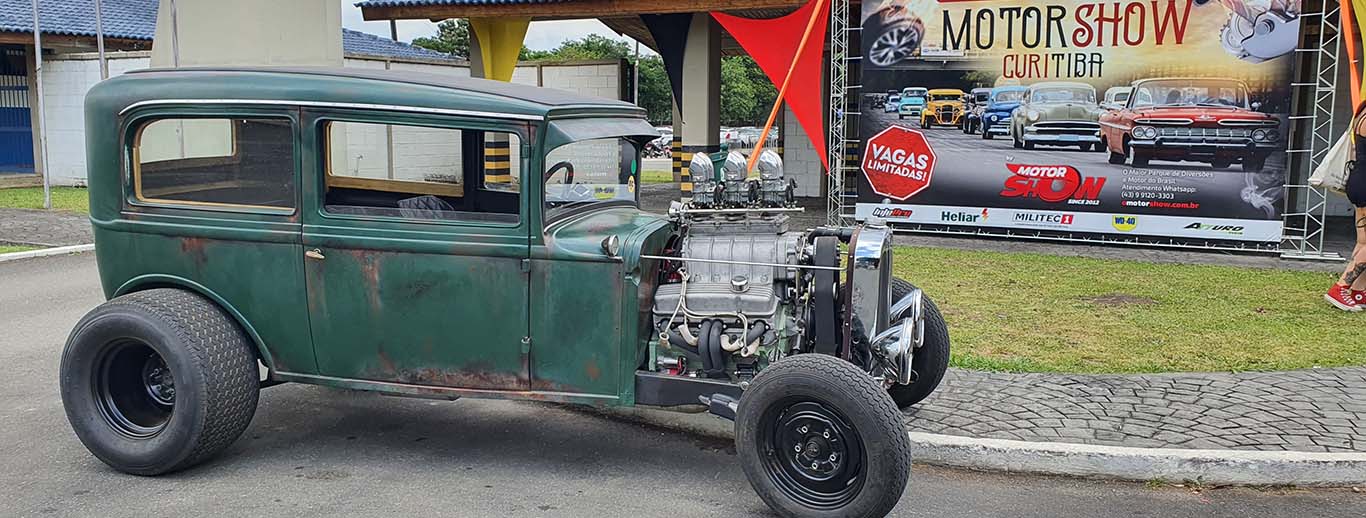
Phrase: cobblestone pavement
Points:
(1318, 410)
(44, 227)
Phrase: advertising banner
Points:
(1161, 118)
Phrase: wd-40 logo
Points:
(959, 216)
(891, 212)
(1124, 223)
(1226, 229)
(1053, 184)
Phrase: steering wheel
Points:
(568, 171)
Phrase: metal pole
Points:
(635, 80)
(42, 119)
(393, 30)
(99, 40)
(175, 38)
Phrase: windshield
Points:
(1121, 96)
(946, 97)
(980, 96)
(912, 100)
(1063, 95)
(1190, 93)
(1009, 96)
(591, 172)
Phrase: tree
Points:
(452, 37)
(656, 95)
(738, 97)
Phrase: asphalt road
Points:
(321, 452)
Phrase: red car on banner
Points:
(1190, 119)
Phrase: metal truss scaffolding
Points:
(1306, 206)
(842, 118)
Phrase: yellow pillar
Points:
(499, 42)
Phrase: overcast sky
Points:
(541, 35)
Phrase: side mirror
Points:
(611, 245)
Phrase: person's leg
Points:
(1356, 268)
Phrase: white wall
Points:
(800, 162)
(67, 78)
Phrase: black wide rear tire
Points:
(931, 360)
(215, 381)
(857, 402)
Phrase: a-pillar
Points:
(698, 123)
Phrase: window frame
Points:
(135, 124)
(321, 119)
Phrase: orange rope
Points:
(1345, 20)
(768, 126)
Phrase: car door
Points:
(416, 249)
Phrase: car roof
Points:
(1183, 78)
(1061, 84)
(946, 91)
(1009, 88)
(352, 86)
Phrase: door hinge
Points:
(526, 266)
(526, 344)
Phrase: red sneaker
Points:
(1342, 298)
(1359, 297)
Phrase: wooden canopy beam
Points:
(568, 10)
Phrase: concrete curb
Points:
(44, 252)
(1212, 467)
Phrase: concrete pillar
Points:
(700, 121)
(248, 32)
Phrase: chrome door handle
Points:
(315, 254)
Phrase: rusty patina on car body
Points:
(395, 295)
(235, 237)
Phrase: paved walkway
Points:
(1319, 410)
(44, 227)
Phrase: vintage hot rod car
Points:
(945, 108)
(977, 103)
(1057, 114)
(1001, 102)
(441, 237)
(1190, 119)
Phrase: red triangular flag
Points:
(773, 43)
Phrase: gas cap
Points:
(739, 284)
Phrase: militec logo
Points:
(1045, 218)
(891, 212)
(1053, 184)
(959, 216)
(1224, 229)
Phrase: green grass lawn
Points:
(5, 249)
(656, 177)
(1040, 313)
(63, 198)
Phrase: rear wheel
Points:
(157, 381)
(817, 437)
(931, 360)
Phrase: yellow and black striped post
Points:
(681, 166)
(497, 159)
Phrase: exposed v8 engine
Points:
(740, 289)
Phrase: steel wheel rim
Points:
(811, 454)
(134, 389)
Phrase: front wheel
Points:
(157, 381)
(817, 437)
(931, 360)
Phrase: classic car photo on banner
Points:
(1166, 118)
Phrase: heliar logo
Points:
(963, 217)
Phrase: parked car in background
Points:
(1116, 97)
(893, 102)
(977, 103)
(1192, 120)
(945, 108)
(1001, 102)
(1057, 113)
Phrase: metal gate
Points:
(16, 123)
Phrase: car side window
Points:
(422, 172)
(216, 162)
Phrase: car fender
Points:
(150, 281)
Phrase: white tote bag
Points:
(1332, 171)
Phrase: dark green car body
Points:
(534, 309)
